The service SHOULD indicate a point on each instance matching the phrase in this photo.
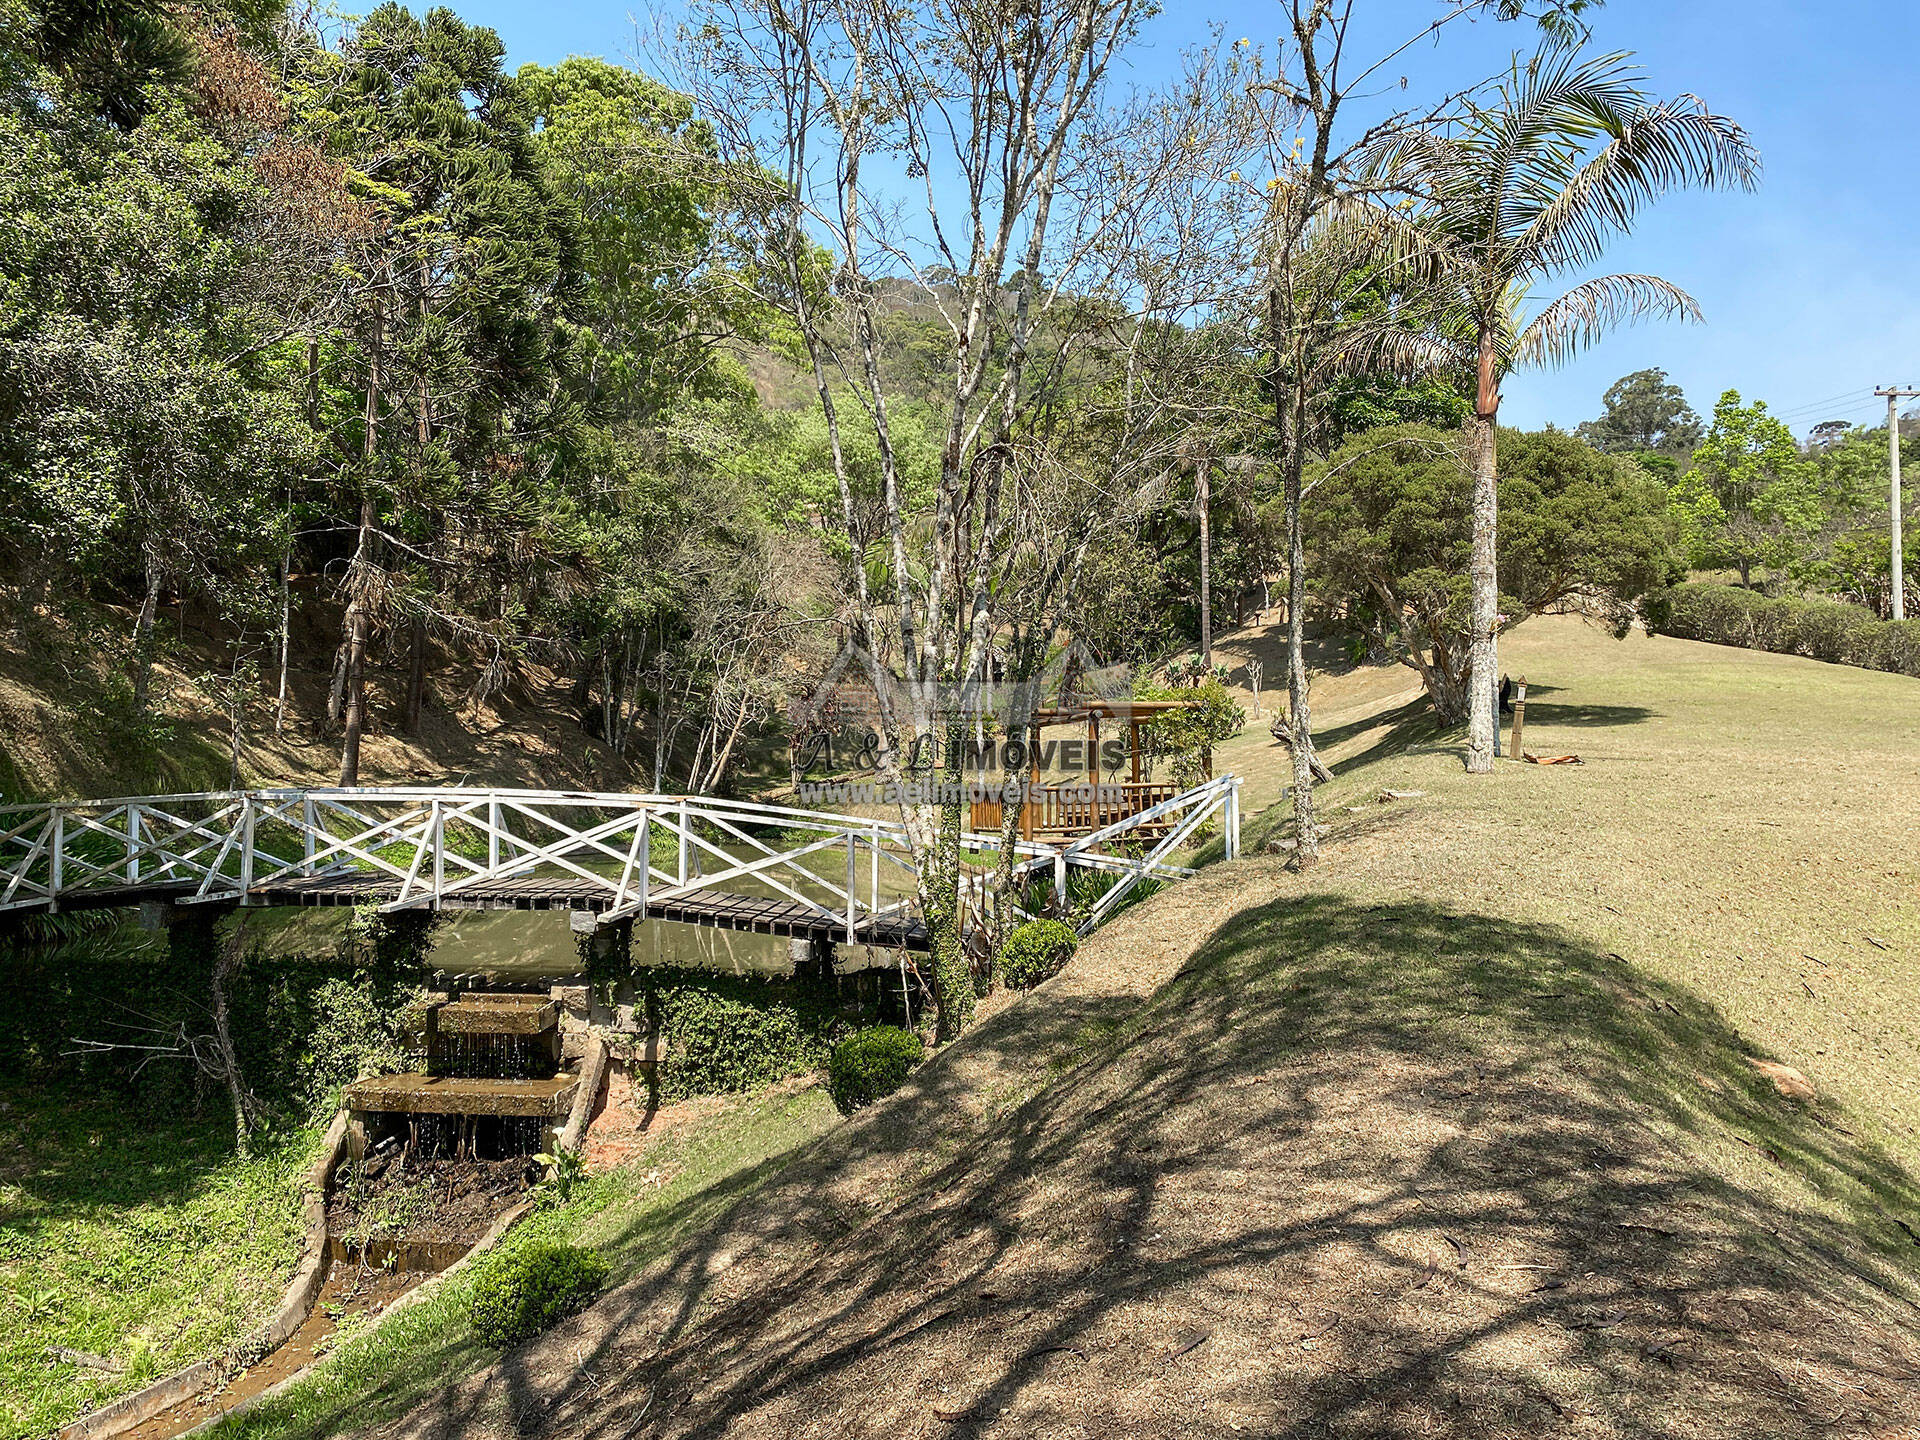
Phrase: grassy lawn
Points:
(1457, 1134)
(633, 1214)
(148, 1243)
(1745, 825)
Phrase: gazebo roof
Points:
(1109, 709)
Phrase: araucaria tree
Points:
(1527, 187)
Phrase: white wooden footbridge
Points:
(736, 865)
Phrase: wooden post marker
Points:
(1519, 717)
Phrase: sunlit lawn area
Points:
(1744, 824)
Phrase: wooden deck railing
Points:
(1077, 807)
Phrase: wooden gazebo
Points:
(1071, 808)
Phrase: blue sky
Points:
(1809, 286)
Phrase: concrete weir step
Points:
(496, 1015)
(415, 1094)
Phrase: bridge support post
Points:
(813, 958)
(605, 938)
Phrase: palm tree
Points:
(1518, 191)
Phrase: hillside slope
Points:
(68, 729)
(1744, 824)
(1456, 1135)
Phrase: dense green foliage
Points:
(1831, 630)
(1185, 738)
(730, 1033)
(532, 1289)
(1749, 499)
(871, 1064)
(1746, 496)
(353, 333)
(1036, 950)
(130, 1015)
(1646, 415)
(1389, 526)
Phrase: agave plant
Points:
(1519, 190)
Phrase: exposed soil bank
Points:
(402, 1201)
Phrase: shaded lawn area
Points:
(143, 1240)
(1365, 1166)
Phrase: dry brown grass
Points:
(67, 729)
(1453, 1136)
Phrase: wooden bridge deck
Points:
(723, 910)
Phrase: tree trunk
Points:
(358, 620)
(718, 770)
(286, 637)
(416, 673)
(143, 640)
(358, 624)
(940, 898)
(225, 965)
(659, 727)
(236, 724)
(1300, 717)
(1290, 403)
(1483, 664)
(1202, 496)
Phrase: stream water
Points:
(524, 945)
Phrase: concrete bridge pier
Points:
(606, 939)
(813, 958)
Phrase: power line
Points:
(1857, 397)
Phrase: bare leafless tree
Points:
(1030, 189)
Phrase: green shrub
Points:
(532, 1290)
(1829, 630)
(871, 1065)
(1185, 738)
(1036, 951)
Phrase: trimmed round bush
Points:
(1036, 951)
(871, 1064)
(534, 1289)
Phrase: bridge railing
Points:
(431, 845)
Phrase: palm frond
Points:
(1403, 354)
(1592, 308)
(1670, 145)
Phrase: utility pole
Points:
(1895, 394)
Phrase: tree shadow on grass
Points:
(1588, 716)
(1403, 1170)
(1406, 728)
(1413, 726)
